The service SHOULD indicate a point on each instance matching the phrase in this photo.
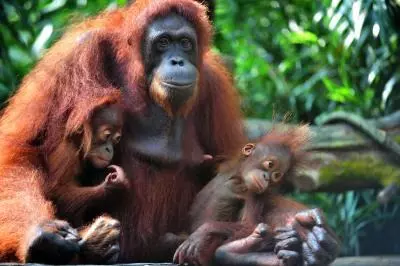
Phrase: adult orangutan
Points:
(180, 107)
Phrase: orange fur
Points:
(66, 160)
(223, 199)
(228, 209)
(295, 139)
(65, 163)
(77, 70)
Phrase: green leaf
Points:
(302, 37)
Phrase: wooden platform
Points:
(368, 261)
(347, 261)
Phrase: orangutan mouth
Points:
(177, 85)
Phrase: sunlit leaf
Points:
(42, 39)
(302, 37)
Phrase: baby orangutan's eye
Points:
(265, 176)
(269, 164)
(117, 138)
(276, 176)
(105, 134)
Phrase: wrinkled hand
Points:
(52, 242)
(116, 180)
(320, 246)
(288, 246)
(200, 246)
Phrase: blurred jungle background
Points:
(306, 57)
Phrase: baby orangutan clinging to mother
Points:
(81, 187)
(83, 166)
(244, 195)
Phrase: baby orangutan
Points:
(244, 195)
(78, 180)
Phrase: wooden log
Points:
(368, 261)
(123, 264)
(344, 157)
(344, 261)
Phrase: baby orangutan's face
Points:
(264, 166)
(106, 125)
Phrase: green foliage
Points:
(310, 57)
(349, 213)
(28, 27)
(307, 57)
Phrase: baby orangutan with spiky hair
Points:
(244, 195)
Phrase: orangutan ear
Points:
(248, 149)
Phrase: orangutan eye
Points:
(276, 176)
(269, 164)
(105, 134)
(117, 138)
(265, 176)
(162, 43)
(186, 44)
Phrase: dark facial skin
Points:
(264, 166)
(106, 125)
(170, 56)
